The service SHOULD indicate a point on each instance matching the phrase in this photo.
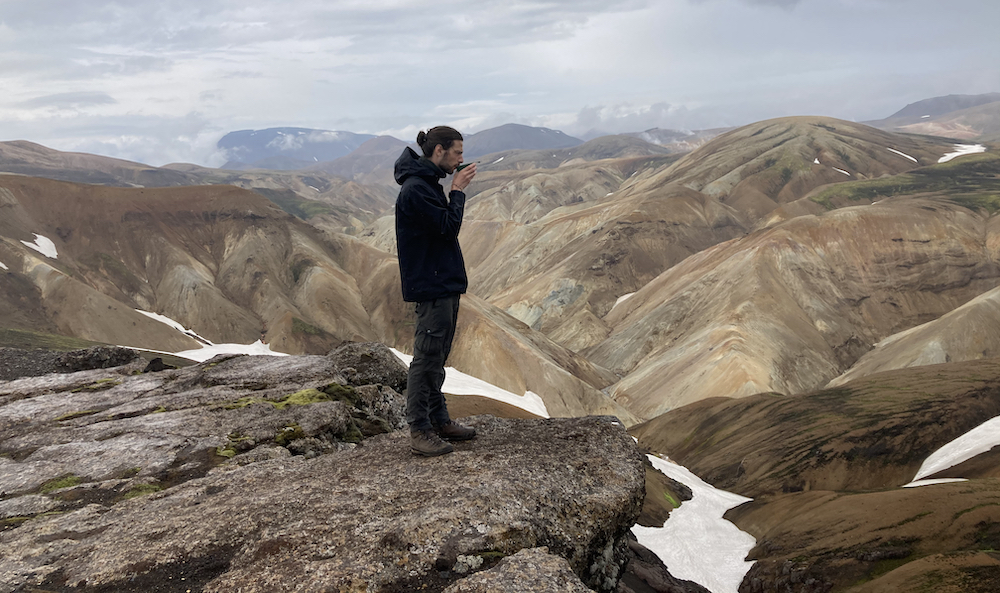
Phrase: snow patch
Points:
(43, 245)
(168, 321)
(924, 116)
(816, 161)
(258, 348)
(497, 161)
(458, 383)
(696, 542)
(978, 440)
(3, 265)
(904, 155)
(313, 188)
(962, 150)
(918, 483)
(841, 170)
(622, 299)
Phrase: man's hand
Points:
(463, 178)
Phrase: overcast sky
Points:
(161, 81)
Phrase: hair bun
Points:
(421, 138)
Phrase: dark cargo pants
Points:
(425, 404)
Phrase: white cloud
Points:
(81, 74)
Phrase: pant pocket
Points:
(430, 342)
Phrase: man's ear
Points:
(438, 152)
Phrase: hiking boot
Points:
(453, 431)
(428, 444)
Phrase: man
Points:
(433, 276)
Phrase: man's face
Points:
(450, 158)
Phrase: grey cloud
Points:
(70, 100)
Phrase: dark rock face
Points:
(16, 363)
(365, 363)
(100, 357)
(646, 573)
(258, 474)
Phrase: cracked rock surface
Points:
(276, 474)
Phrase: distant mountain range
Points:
(286, 148)
(962, 117)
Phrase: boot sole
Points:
(430, 453)
(453, 439)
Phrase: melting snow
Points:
(978, 440)
(918, 483)
(903, 154)
(258, 348)
(497, 161)
(962, 150)
(841, 170)
(816, 161)
(43, 245)
(458, 383)
(696, 543)
(3, 265)
(313, 188)
(168, 321)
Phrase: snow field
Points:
(696, 543)
(978, 440)
(43, 245)
(903, 154)
(962, 150)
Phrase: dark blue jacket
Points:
(427, 225)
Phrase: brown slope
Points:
(825, 470)
(220, 260)
(789, 308)
(871, 433)
(970, 332)
(761, 166)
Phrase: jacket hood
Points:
(410, 164)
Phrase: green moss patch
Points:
(99, 385)
(142, 490)
(305, 397)
(67, 481)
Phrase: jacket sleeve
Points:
(427, 208)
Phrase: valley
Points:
(800, 310)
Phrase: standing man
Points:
(433, 276)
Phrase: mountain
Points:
(371, 163)
(961, 117)
(286, 148)
(27, 158)
(232, 266)
(515, 136)
(566, 256)
(605, 147)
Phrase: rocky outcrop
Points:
(263, 474)
(533, 570)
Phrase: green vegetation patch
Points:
(289, 433)
(142, 490)
(31, 340)
(67, 481)
(972, 181)
(301, 327)
(99, 385)
(305, 397)
(296, 205)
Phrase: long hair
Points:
(443, 135)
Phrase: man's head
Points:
(442, 146)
